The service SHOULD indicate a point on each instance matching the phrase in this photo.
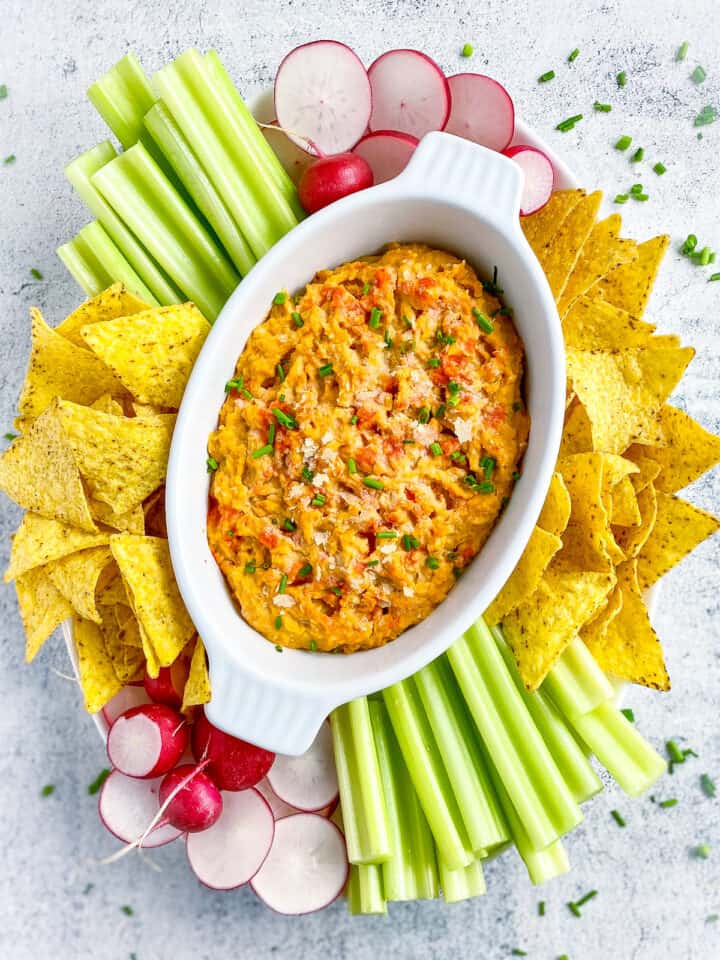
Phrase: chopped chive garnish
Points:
(704, 256)
(280, 372)
(280, 298)
(636, 188)
(440, 412)
(621, 79)
(278, 625)
(326, 370)
(468, 50)
(618, 818)
(584, 899)
(602, 107)
(573, 55)
(409, 542)
(698, 75)
(35, 273)
(541, 908)
(307, 474)
(128, 911)
(638, 155)
(246, 393)
(545, 77)
(423, 415)
(278, 648)
(629, 714)
(10, 158)
(10, 436)
(351, 465)
(666, 804)
(250, 567)
(297, 319)
(407, 346)
(458, 456)
(313, 646)
(621, 198)
(707, 784)
(690, 244)
(366, 289)
(488, 465)
(387, 338)
(386, 535)
(517, 952)
(702, 851)
(568, 124)
(262, 452)
(641, 196)
(432, 562)
(623, 142)
(3, 91)
(375, 318)
(289, 525)
(284, 419)
(353, 419)
(283, 584)
(318, 500)
(436, 449)
(372, 563)
(682, 51)
(574, 908)
(707, 115)
(674, 752)
(443, 337)
(212, 464)
(659, 169)
(373, 483)
(409, 442)
(336, 590)
(305, 570)
(47, 790)
(271, 434)
(433, 362)
(482, 321)
(713, 276)
(99, 780)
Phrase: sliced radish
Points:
(291, 156)
(196, 803)
(127, 806)
(232, 851)
(330, 809)
(279, 807)
(322, 95)
(234, 764)
(482, 111)
(409, 93)
(308, 782)
(539, 177)
(167, 687)
(130, 696)
(307, 866)
(387, 152)
(147, 741)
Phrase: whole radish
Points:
(196, 805)
(330, 178)
(234, 764)
(147, 741)
(168, 686)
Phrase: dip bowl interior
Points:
(453, 195)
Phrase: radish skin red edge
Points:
(410, 93)
(482, 111)
(130, 696)
(308, 782)
(193, 801)
(126, 806)
(539, 177)
(306, 868)
(387, 151)
(234, 764)
(147, 741)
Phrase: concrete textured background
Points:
(655, 899)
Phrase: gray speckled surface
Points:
(654, 896)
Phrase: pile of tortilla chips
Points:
(96, 415)
(612, 524)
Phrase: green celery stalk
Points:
(567, 753)
(422, 757)
(576, 683)
(620, 748)
(252, 197)
(365, 821)
(179, 155)
(411, 872)
(96, 263)
(456, 737)
(85, 268)
(536, 787)
(78, 172)
(365, 891)
(462, 884)
(140, 193)
(122, 97)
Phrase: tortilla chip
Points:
(541, 548)
(595, 629)
(629, 286)
(687, 451)
(631, 539)
(107, 404)
(39, 540)
(152, 353)
(647, 469)
(122, 460)
(630, 648)
(98, 679)
(540, 628)
(586, 539)
(559, 257)
(127, 659)
(541, 227)
(624, 509)
(133, 521)
(577, 432)
(116, 301)
(597, 325)
(112, 592)
(77, 576)
(150, 583)
(38, 471)
(197, 688)
(58, 368)
(147, 409)
(42, 608)
(154, 508)
(679, 528)
(603, 252)
(623, 392)
(555, 513)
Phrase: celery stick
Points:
(455, 735)
(78, 172)
(365, 890)
(99, 243)
(567, 753)
(411, 872)
(427, 773)
(576, 683)
(122, 97)
(620, 748)
(178, 153)
(142, 196)
(252, 197)
(362, 800)
(89, 273)
(462, 884)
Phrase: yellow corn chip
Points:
(631, 539)
(116, 301)
(122, 460)
(555, 513)
(577, 432)
(624, 510)
(541, 548)
(147, 409)
(152, 353)
(60, 369)
(629, 285)
(624, 391)
(152, 664)
(687, 450)
(541, 227)
(595, 629)
(597, 325)
(39, 540)
(132, 521)
(603, 251)
(42, 608)
(107, 404)
(679, 528)
(647, 469)
(197, 687)
(112, 593)
(39, 473)
(154, 508)
(559, 257)
(150, 583)
(98, 679)
(127, 659)
(586, 538)
(77, 576)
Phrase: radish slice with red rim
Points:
(123, 700)
(279, 807)
(307, 866)
(231, 851)
(308, 782)
(322, 95)
(147, 741)
(539, 177)
(482, 110)
(387, 152)
(127, 807)
(409, 93)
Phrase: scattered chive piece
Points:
(246, 393)
(212, 464)
(712, 918)
(702, 851)
(563, 956)
(423, 415)
(459, 456)
(574, 909)
(433, 362)
(375, 318)
(432, 562)
(488, 464)
(271, 434)
(707, 115)
(10, 158)
(278, 648)
(280, 298)
(280, 373)
(353, 420)
(372, 482)
(468, 50)
(386, 535)
(573, 55)
(698, 75)
(35, 273)
(235, 384)
(297, 319)
(707, 785)
(284, 419)
(666, 804)
(278, 625)
(602, 107)
(406, 346)
(366, 289)
(545, 77)
(517, 952)
(409, 441)
(3, 91)
(659, 169)
(318, 500)
(336, 590)
(10, 436)
(261, 452)
(638, 155)
(88, 887)
(307, 474)
(675, 753)
(516, 405)
(621, 198)
(128, 911)
(621, 79)
(541, 908)
(623, 142)
(641, 196)
(436, 449)
(636, 188)
(250, 567)
(99, 780)
(326, 370)
(618, 818)
(682, 51)
(713, 276)
(351, 465)
(313, 646)
(690, 244)
(482, 321)
(305, 570)
(568, 124)
(584, 899)
(704, 256)
(629, 714)
(440, 412)
(387, 338)
(47, 790)
(283, 584)
(409, 542)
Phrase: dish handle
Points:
(449, 167)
